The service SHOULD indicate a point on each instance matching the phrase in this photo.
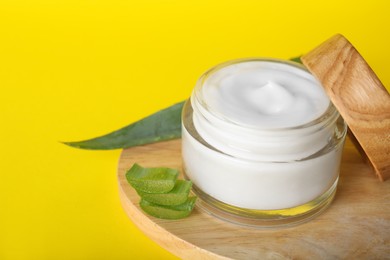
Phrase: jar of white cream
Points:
(262, 143)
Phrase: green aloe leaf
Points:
(163, 125)
(168, 212)
(152, 180)
(176, 196)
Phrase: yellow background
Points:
(75, 69)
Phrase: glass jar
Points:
(250, 169)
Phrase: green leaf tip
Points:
(160, 126)
(297, 59)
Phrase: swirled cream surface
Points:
(264, 94)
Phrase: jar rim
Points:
(193, 132)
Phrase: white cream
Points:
(262, 135)
(252, 94)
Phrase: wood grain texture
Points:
(355, 226)
(358, 95)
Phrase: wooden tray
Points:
(355, 226)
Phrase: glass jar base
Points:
(264, 219)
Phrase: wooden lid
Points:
(359, 96)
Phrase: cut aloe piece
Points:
(163, 125)
(176, 196)
(152, 180)
(169, 212)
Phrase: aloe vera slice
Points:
(152, 180)
(169, 212)
(163, 125)
(176, 196)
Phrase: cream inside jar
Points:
(259, 136)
